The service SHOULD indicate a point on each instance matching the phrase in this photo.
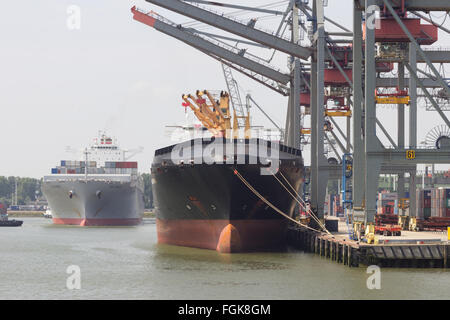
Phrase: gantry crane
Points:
(351, 79)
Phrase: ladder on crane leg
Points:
(347, 172)
(235, 96)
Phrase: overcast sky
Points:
(58, 86)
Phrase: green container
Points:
(426, 213)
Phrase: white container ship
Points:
(102, 190)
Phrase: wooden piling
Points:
(345, 251)
(350, 256)
(332, 250)
(444, 250)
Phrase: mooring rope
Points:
(298, 197)
(303, 201)
(249, 186)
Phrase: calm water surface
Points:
(127, 263)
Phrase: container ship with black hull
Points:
(202, 187)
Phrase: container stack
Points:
(329, 202)
(423, 203)
(333, 205)
(386, 203)
(121, 167)
(111, 167)
(447, 202)
(338, 209)
(440, 202)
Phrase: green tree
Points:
(26, 189)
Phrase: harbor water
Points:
(127, 263)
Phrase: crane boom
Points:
(208, 45)
(234, 27)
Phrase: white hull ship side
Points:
(101, 200)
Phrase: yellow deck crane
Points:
(215, 115)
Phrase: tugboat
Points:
(48, 213)
(4, 221)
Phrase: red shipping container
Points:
(132, 164)
(126, 164)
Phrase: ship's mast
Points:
(15, 191)
(86, 164)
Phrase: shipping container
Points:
(388, 196)
(426, 213)
(438, 202)
(54, 170)
(110, 164)
(126, 164)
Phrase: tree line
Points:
(27, 190)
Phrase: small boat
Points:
(48, 214)
(4, 221)
(10, 223)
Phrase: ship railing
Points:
(436, 48)
(267, 143)
(93, 177)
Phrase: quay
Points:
(410, 250)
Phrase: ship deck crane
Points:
(215, 115)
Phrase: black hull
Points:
(11, 223)
(208, 206)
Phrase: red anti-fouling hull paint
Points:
(97, 222)
(223, 235)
